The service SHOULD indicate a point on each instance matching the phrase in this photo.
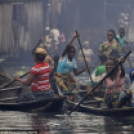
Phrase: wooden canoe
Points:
(9, 95)
(97, 106)
(104, 111)
(53, 104)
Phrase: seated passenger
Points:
(115, 93)
(99, 71)
(38, 79)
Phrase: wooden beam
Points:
(10, 88)
(8, 99)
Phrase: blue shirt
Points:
(65, 65)
(122, 41)
(130, 75)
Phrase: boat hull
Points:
(47, 105)
(129, 111)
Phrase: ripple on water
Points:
(79, 123)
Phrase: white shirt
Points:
(56, 34)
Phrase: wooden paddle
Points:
(39, 42)
(78, 38)
(9, 83)
(79, 92)
(8, 99)
(98, 85)
(45, 47)
(127, 58)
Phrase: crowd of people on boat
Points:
(49, 73)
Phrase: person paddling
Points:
(66, 65)
(115, 93)
(38, 79)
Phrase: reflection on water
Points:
(77, 123)
(80, 123)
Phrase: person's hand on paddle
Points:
(76, 34)
(89, 90)
(16, 78)
(122, 60)
(86, 68)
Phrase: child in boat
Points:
(122, 39)
(38, 79)
(66, 65)
(115, 93)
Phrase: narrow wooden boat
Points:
(52, 104)
(8, 96)
(104, 111)
(97, 106)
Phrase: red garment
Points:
(41, 82)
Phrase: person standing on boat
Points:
(66, 65)
(38, 79)
(110, 47)
(116, 94)
(122, 39)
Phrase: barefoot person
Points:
(38, 79)
(66, 65)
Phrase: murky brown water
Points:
(55, 123)
(80, 123)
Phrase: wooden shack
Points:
(22, 23)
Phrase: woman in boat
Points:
(48, 58)
(38, 79)
(66, 65)
(116, 94)
(110, 47)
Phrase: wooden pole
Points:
(78, 38)
(97, 85)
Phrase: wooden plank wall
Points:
(6, 33)
(27, 37)
(34, 22)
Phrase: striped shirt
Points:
(41, 82)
